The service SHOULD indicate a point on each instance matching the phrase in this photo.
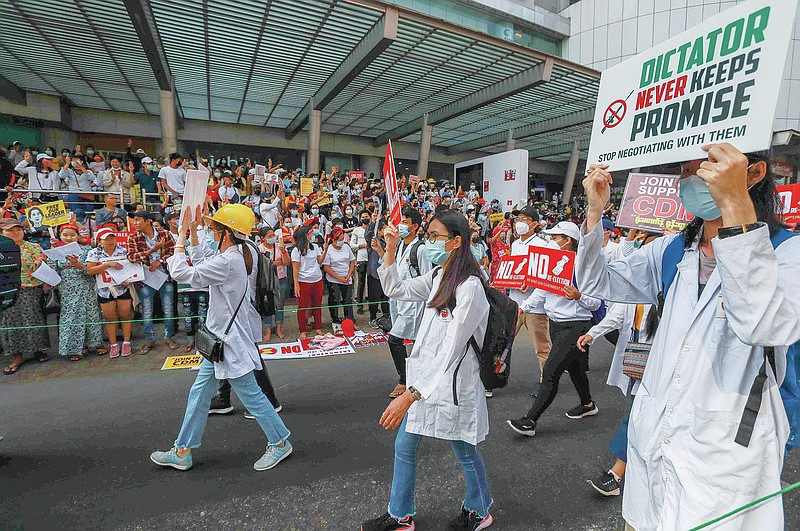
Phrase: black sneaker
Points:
(220, 406)
(606, 484)
(523, 426)
(470, 521)
(374, 324)
(535, 390)
(389, 523)
(360, 311)
(581, 411)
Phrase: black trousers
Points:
(376, 296)
(340, 294)
(399, 355)
(564, 356)
(361, 281)
(263, 381)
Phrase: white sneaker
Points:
(488, 393)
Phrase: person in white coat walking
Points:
(230, 278)
(445, 396)
(732, 295)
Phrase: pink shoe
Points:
(113, 352)
(126, 349)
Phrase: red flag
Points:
(390, 179)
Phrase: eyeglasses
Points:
(432, 237)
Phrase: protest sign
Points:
(182, 362)
(651, 203)
(495, 218)
(790, 202)
(114, 277)
(413, 179)
(299, 350)
(194, 194)
(122, 238)
(306, 186)
(550, 269)
(54, 214)
(511, 272)
(368, 340)
(357, 175)
(716, 82)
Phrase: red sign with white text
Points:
(550, 269)
(790, 202)
(651, 203)
(511, 272)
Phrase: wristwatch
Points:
(415, 393)
(727, 232)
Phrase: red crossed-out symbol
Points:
(614, 114)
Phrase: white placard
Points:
(716, 82)
(46, 274)
(155, 279)
(194, 193)
(63, 251)
(114, 277)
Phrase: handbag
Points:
(208, 344)
(635, 359)
(50, 301)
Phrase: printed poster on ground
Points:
(716, 82)
(299, 350)
(651, 203)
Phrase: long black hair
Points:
(301, 240)
(765, 200)
(248, 258)
(462, 264)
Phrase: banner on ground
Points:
(299, 350)
(511, 272)
(716, 82)
(790, 202)
(54, 214)
(182, 362)
(550, 269)
(364, 340)
(651, 203)
(390, 180)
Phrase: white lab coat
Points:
(406, 315)
(441, 344)
(620, 317)
(219, 272)
(684, 467)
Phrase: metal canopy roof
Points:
(375, 70)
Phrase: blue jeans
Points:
(203, 390)
(277, 319)
(619, 444)
(401, 502)
(146, 295)
(202, 308)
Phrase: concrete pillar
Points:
(314, 128)
(169, 123)
(569, 180)
(511, 142)
(371, 165)
(424, 148)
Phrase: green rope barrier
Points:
(745, 507)
(294, 309)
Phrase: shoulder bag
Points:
(208, 344)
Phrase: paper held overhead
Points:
(716, 82)
(194, 194)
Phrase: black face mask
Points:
(365, 222)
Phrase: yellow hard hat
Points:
(237, 217)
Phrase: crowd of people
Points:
(422, 281)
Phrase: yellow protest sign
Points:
(54, 214)
(182, 362)
(497, 217)
(306, 186)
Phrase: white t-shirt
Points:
(176, 178)
(310, 271)
(339, 260)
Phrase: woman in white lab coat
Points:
(684, 464)
(230, 278)
(445, 397)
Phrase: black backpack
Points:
(495, 355)
(10, 271)
(267, 283)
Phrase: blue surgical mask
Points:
(315, 211)
(270, 241)
(696, 198)
(436, 252)
(402, 228)
(211, 243)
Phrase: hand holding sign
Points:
(725, 173)
(597, 185)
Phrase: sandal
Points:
(76, 357)
(188, 347)
(102, 351)
(147, 347)
(41, 357)
(172, 344)
(11, 369)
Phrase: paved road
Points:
(76, 454)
